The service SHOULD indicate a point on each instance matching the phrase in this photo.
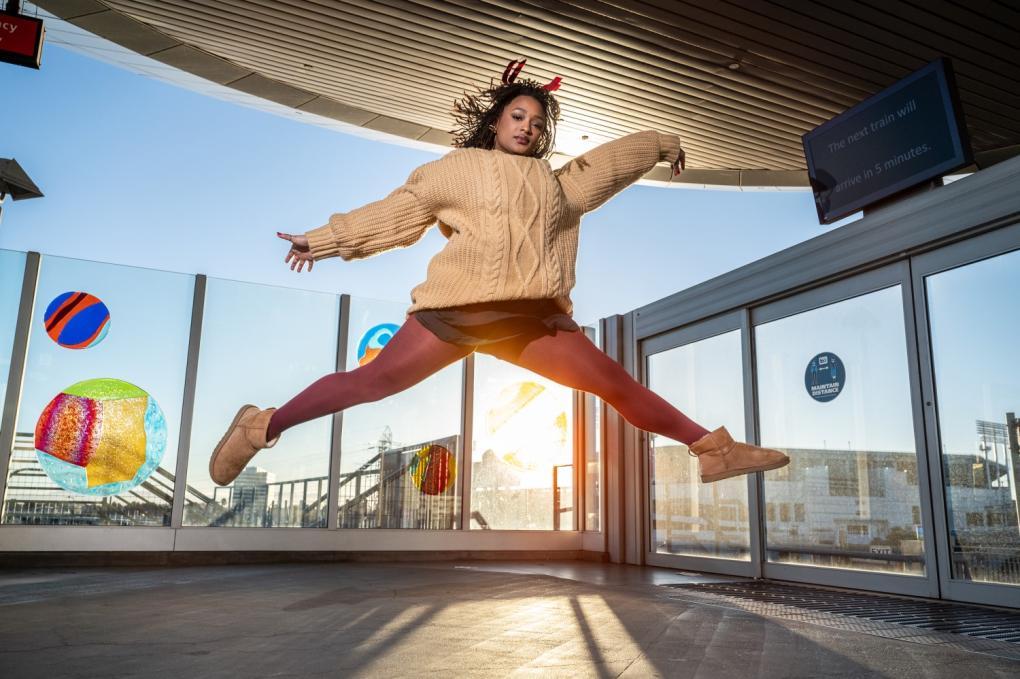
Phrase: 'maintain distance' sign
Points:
(903, 136)
(825, 377)
(21, 39)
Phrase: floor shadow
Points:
(399, 619)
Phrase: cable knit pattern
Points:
(526, 254)
(511, 221)
(495, 249)
(554, 269)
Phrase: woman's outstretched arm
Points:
(596, 176)
(398, 220)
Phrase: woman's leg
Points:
(411, 355)
(570, 359)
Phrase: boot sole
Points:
(219, 446)
(746, 470)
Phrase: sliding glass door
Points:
(835, 390)
(700, 370)
(969, 320)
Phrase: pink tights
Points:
(414, 353)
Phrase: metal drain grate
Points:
(966, 627)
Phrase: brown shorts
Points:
(502, 328)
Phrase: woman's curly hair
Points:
(476, 112)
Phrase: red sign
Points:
(21, 39)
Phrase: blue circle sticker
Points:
(825, 377)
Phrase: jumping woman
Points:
(501, 285)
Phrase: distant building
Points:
(33, 498)
(250, 496)
(837, 502)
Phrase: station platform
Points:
(450, 618)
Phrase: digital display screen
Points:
(905, 135)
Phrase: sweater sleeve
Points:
(398, 220)
(596, 176)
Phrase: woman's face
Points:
(520, 126)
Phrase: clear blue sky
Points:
(140, 172)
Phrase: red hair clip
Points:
(513, 69)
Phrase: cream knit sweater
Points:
(511, 221)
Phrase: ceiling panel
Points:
(740, 81)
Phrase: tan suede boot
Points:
(720, 457)
(245, 437)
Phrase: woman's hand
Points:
(678, 164)
(299, 251)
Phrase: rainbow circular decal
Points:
(77, 320)
(373, 341)
(433, 469)
(100, 437)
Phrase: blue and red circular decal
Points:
(77, 320)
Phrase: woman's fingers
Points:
(680, 163)
(298, 260)
(298, 254)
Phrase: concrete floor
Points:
(463, 619)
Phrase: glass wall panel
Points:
(704, 379)
(262, 345)
(97, 430)
(401, 457)
(12, 272)
(593, 462)
(834, 393)
(974, 329)
(523, 449)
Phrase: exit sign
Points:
(21, 39)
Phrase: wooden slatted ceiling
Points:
(374, 63)
(626, 66)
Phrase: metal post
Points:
(755, 482)
(290, 509)
(336, 437)
(612, 449)
(583, 444)
(556, 497)
(592, 440)
(16, 374)
(318, 498)
(304, 503)
(188, 404)
(380, 495)
(467, 414)
(634, 456)
(1013, 432)
(278, 520)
